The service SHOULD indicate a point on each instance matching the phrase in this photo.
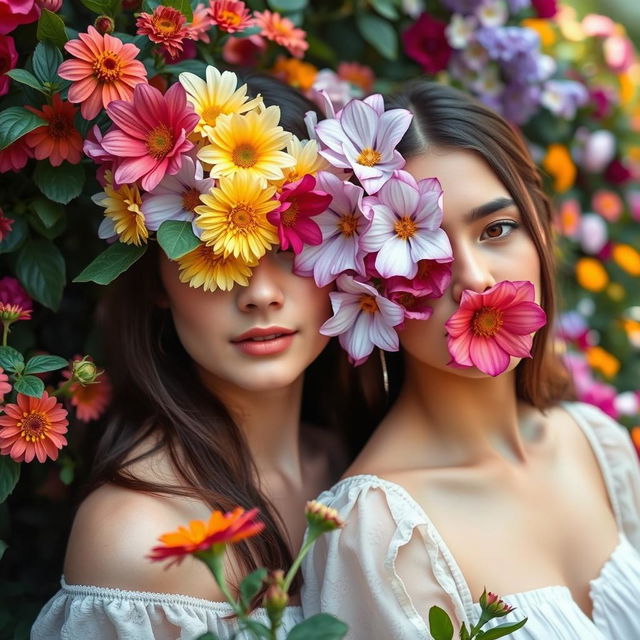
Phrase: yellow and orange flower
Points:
(357, 74)
(58, 140)
(89, 400)
(591, 274)
(104, 69)
(204, 268)
(559, 164)
(307, 160)
(282, 31)
(213, 535)
(295, 73)
(627, 258)
(230, 16)
(33, 428)
(603, 361)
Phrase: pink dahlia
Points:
(425, 41)
(17, 12)
(492, 326)
(298, 204)
(15, 156)
(150, 134)
(166, 26)
(200, 24)
(282, 31)
(8, 59)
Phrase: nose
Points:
(469, 270)
(264, 290)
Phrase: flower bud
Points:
(275, 598)
(321, 518)
(104, 24)
(84, 371)
(493, 606)
(50, 5)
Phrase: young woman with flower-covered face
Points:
(220, 374)
(481, 474)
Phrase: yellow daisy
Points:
(218, 95)
(204, 268)
(233, 218)
(307, 158)
(249, 144)
(122, 211)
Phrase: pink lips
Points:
(265, 341)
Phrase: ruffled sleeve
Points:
(98, 613)
(619, 463)
(359, 573)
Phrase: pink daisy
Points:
(282, 31)
(230, 16)
(165, 26)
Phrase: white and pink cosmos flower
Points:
(492, 326)
(363, 319)
(405, 225)
(363, 137)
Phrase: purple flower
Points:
(518, 5)
(362, 319)
(563, 97)
(363, 137)
(405, 225)
(520, 102)
(465, 7)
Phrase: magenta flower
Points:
(299, 202)
(342, 225)
(425, 41)
(490, 327)
(13, 293)
(8, 59)
(17, 12)
(405, 225)
(363, 137)
(150, 134)
(362, 319)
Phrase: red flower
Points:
(15, 156)
(617, 172)
(16, 12)
(5, 225)
(8, 59)
(244, 52)
(545, 8)
(426, 43)
(165, 26)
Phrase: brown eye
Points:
(495, 231)
(499, 230)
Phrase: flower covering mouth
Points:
(492, 326)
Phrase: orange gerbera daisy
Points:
(33, 428)
(220, 530)
(282, 31)
(105, 69)
(294, 72)
(58, 140)
(165, 26)
(230, 15)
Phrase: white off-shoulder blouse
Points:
(359, 573)
(96, 613)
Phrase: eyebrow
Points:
(490, 207)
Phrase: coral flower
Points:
(33, 428)
(249, 144)
(295, 73)
(204, 268)
(123, 214)
(10, 313)
(166, 27)
(363, 137)
(15, 156)
(608, 204)
(5, 385)
(244, 52)
(5, 225)
(362, 319)
(220, 530)
(357, 74)
(200, 24)
(492, 326)
(219, 94)
(233, 218)
(405, 225)
(105, 69)
(59, 140)
(298, 203)
(150, 134)
(90, 400)
(230, 16)
(282, 31)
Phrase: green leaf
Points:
(17, 235)
(385, 8)
(9, 475)
(46, 60)
(51, 233)
(51, 27)
(440, 624)
(288, 5)
(258, 629)
(60, 184)
(40, 364)
(319, 627)
(41, 269)
(501, 630)
(48, 212)
(111, 263)
(379, 33)
(250, 586)
(29, 386)
(24, 77)
(16, 122)
(67, 474)
(11, 359)
(192, 66)
(3, 547)
(101, 7)
(184, 6)
(177, 238)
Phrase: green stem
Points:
(214, 562)
(297, 562)
(5, 333)
(63, 389)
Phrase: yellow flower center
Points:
(369, 157)
(34, 426)
(290, 216)
(210, 113)
(487, 322)
(244, 155)
(407, 300)
(229, 17)
(348, 225)
(405, 228)
(165, 26)
(190, 199)
(107, 66)
(160, 141)
(368, 304)
(242, 216)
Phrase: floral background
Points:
(566, 76)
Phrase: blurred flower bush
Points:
(569, 83)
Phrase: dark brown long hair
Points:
(447, 118)
(157, 391)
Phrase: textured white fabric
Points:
(362, 573)
(96, 613)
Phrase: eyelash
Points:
(501, 223)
